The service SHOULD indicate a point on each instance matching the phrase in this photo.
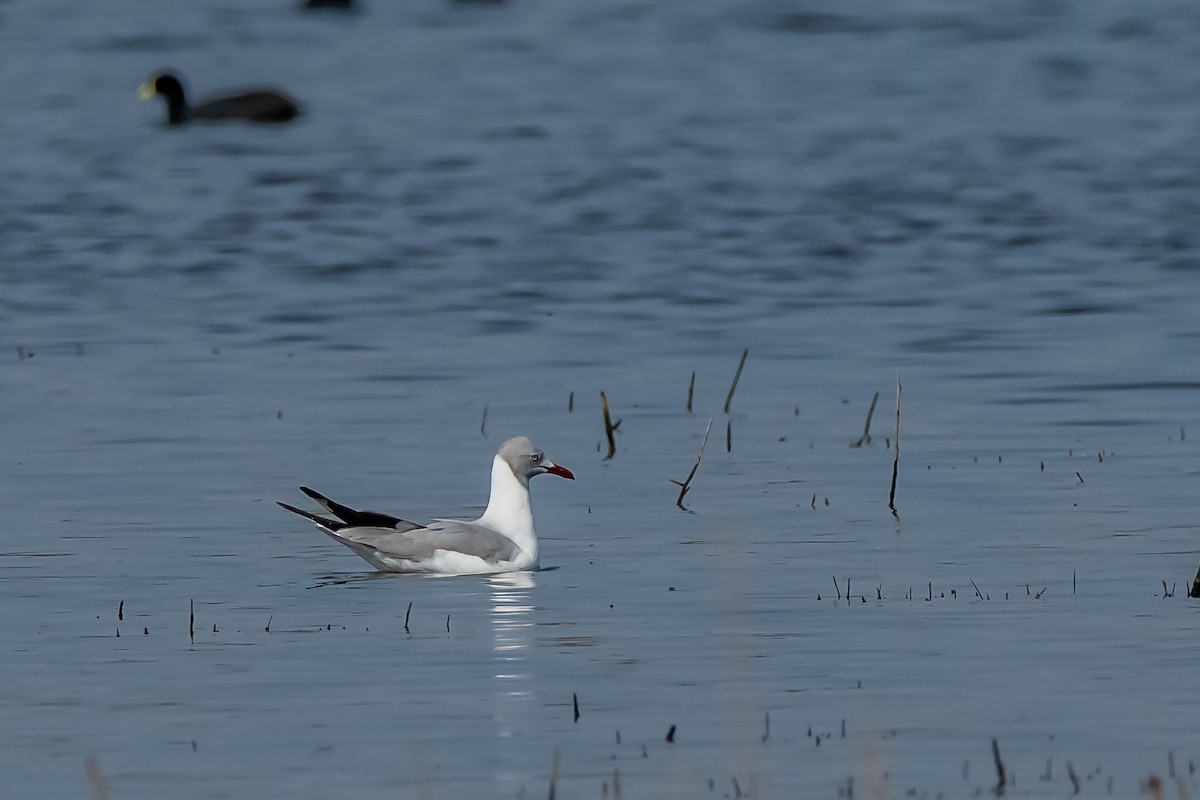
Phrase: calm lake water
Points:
(493, 208)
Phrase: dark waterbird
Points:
(252, 105)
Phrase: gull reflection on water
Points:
(512, 635)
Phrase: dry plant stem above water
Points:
(96, 779)
(686, 484)
(1001, 776)
(736, 377)
(609, 427)
(866, 434)
(895, 453)
(554, 776)
(691, 391)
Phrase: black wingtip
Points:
(330, 524)
(352, 517)
(294, 510)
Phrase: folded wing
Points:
(421, 543)
(371, 534)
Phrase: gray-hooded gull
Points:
(502, 540)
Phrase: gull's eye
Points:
(535, 457)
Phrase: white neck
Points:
(509, 512)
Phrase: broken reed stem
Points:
(575, 703)
(406, 615)
(1195, 592)
(686, 484)
(192, 620)
(554, 776)
(1001, 776)
(96, 780)
(895, 453)
(736, 377)
(483, 422)
(608, 426)
(866, 434)
(691, 391)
